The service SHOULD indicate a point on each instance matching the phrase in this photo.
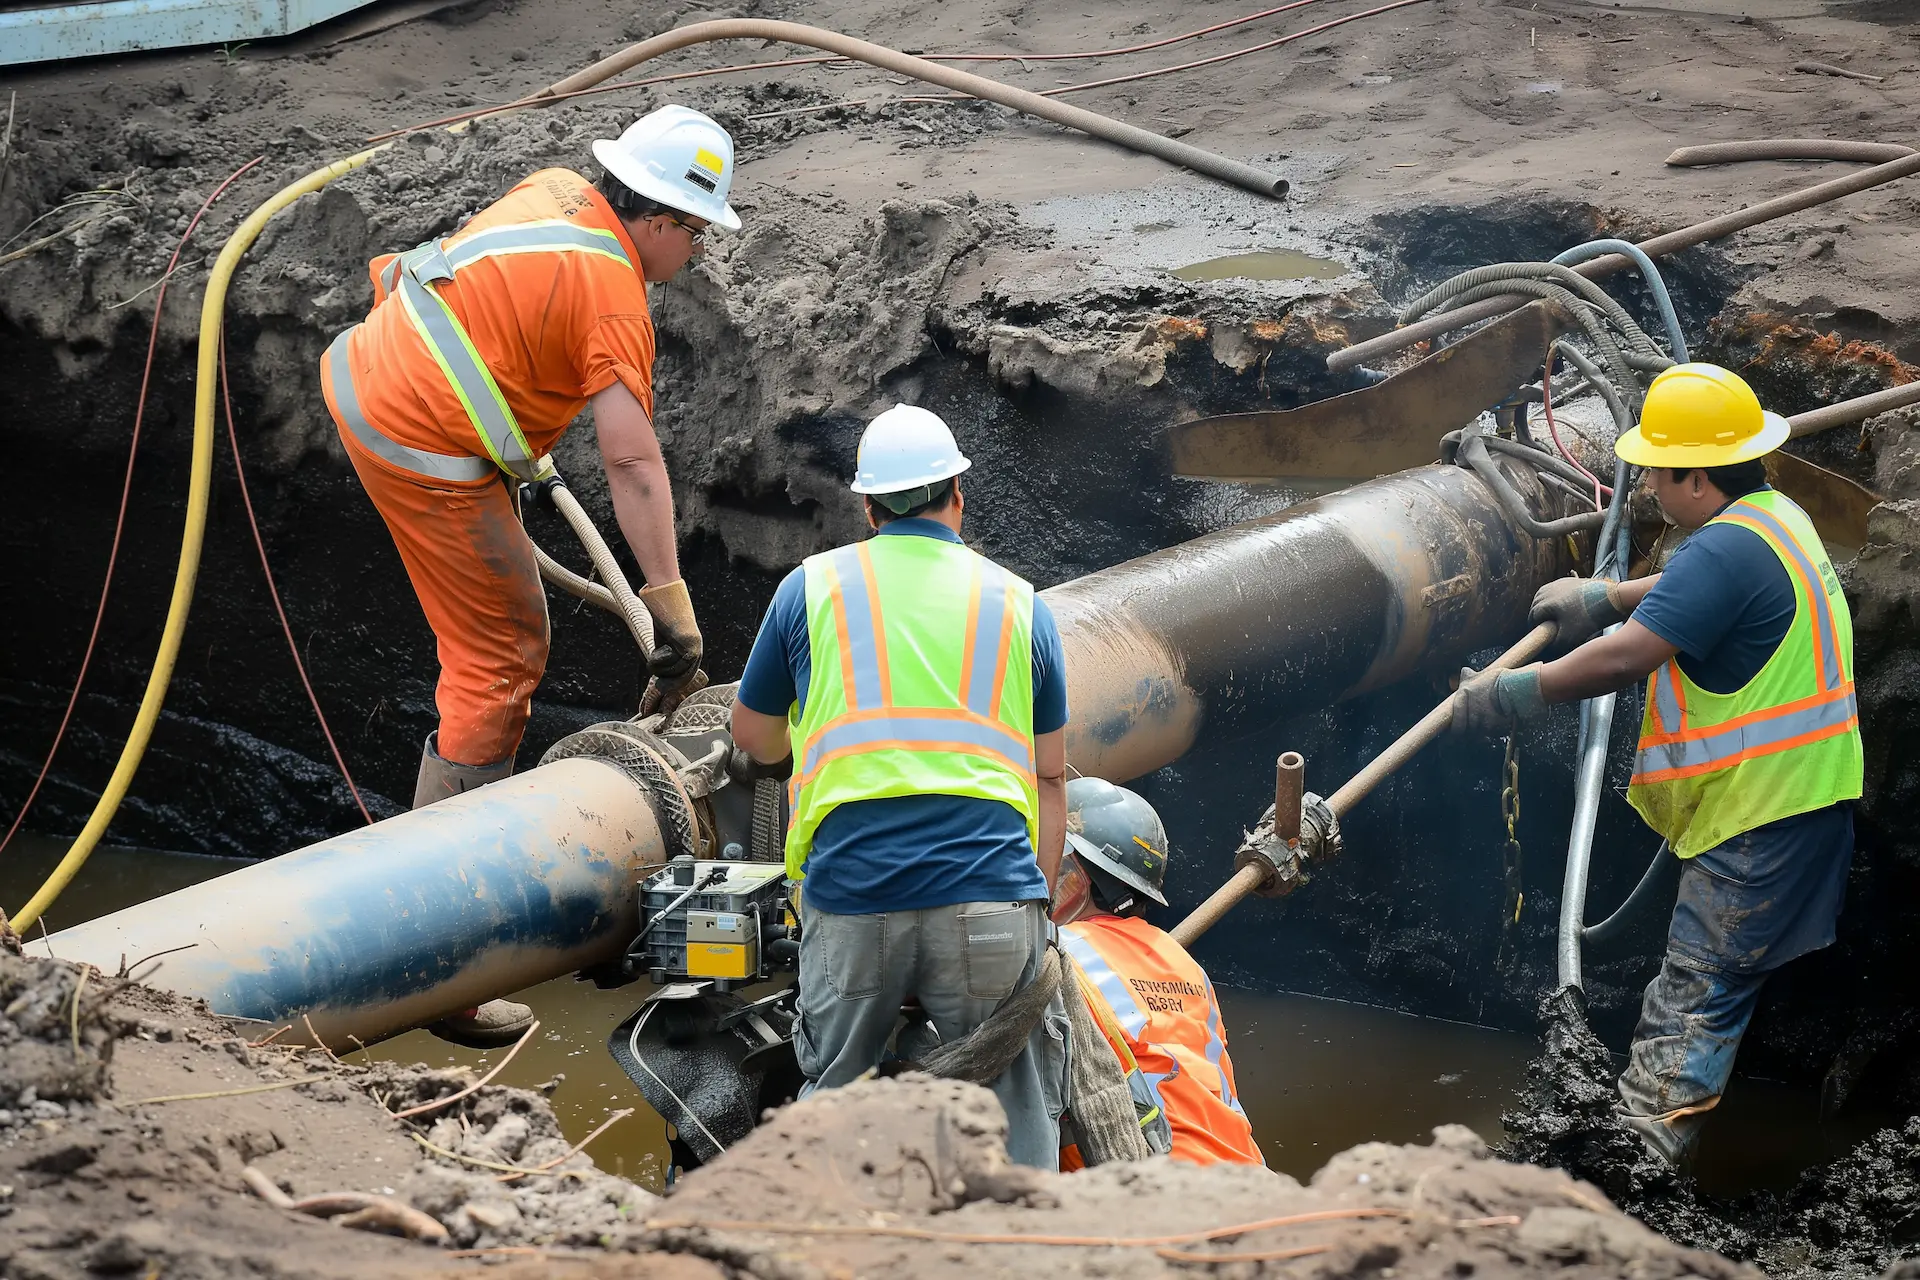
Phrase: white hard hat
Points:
(676, 157)
(906, 448)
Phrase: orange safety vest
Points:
(1170, 1022)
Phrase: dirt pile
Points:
(126, 1155)
(909, 1177)
(1856, 1216)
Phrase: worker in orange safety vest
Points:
(481, 347)
(1151, 998)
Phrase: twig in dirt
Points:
(522, 1251)
(1826, 69)
(79, 985)
(126, 970)
(28, 250)
(578, 1147)
(352, 1208)
(217, 1093)
(517, 1171)
(44, 938)
(977, 1237)
(425, 1107)
(156, 283)
(316, 1037)
(6, 141)
(267, 1040)
(1221, 1259)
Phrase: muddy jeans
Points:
(960, 962)
(1745, 908)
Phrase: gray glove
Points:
(1490, 702)
(1580, 607)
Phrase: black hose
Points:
(1473, 451)
(1660, 880)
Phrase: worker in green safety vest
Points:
(920, 691)
(1749, 758)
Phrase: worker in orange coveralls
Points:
(480, 349)
(1153, 1001)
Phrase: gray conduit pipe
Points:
(1786, 149)
(1676, 340)
(1213, 165)
(1712, 229)
(1839, 415)
(557, 574)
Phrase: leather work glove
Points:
(1490, 702)
(676, 636)
(1580, 607)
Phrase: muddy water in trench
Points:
(1316, 1076)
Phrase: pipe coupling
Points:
(650, 761)
(1285, 865)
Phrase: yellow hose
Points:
(198, 488)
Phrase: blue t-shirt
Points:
(903, 853)
(1726, 602)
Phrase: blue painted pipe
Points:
(403, 922)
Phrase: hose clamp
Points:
(1286, 865)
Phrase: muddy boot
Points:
(492, 1025)
(440, 778)
(1670, 1138)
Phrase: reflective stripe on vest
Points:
(1672, 751)
(438, 466)
(411, 277)
(949, 714)
(871, 720)
(1217, 1050)
(1124, 1004)
(1710, 766)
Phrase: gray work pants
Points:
(960, 962)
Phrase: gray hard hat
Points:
(1115, 831)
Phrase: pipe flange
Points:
(651, 763)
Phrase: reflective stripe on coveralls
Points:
(1146, 979)
(411, 275)
(438, 466)
(929, 694)
(1710, 766)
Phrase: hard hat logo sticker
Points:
(710, 162)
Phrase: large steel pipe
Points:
(408, 920)
(1286, 614)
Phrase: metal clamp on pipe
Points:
(1299, 830)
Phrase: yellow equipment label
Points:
(712, 163)
(716, 960)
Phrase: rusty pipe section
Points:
(1325, 600)
(408, 920)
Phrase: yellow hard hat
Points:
(1700, 415)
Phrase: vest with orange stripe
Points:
(1713, 765)
(922, 683)
(1170, 1022)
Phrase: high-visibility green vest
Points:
(922, 683)
(1712, 765)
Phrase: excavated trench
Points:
(1057, 378)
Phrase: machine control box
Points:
(726, 922)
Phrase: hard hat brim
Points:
(932, 477)
(1094, 854)
(718, 213)
(1634, 447)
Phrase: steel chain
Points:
(1514, 896)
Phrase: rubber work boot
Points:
(494, 1024)
(440, 778)
(497, 1022)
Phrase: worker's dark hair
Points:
(1735, 480)
(627, 202)
(1112, 895)
(939, 494)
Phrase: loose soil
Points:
(106, 1169)
(1020, 279)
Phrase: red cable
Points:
(126, 491)
(1553, 429)
(246, 500)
